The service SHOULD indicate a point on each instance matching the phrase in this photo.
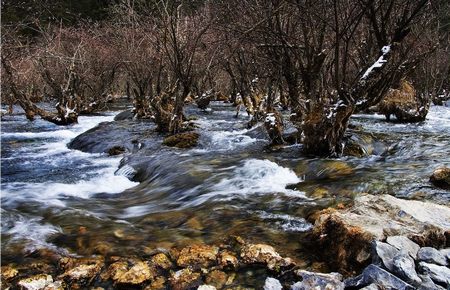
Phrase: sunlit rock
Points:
(216, 278)
(196, 256)
(228, 259)
(263, 254)
(36, 282)
(345, 236)
(311, 280)
(132, 272)
(161, 261)
(185, 279)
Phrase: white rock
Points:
(272, 284)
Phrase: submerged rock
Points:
(182, 140)
(216, 278)
(441, 177)
(228, 259)
(431, 255)
(263, 254)
(311, 280)
(375, 275)
(198, 256)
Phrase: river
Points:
(78, 203)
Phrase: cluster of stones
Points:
(204, 266)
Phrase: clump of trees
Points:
(322, 60)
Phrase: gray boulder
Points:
(439, 274)
(312, 280)
(405, 268)
(403, 243)
(428, 284)
(384, 254)
(431, 255)
(376, 275)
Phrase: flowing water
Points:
(230, 184)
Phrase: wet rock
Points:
(36, 282)
(375, 275)
(206, 287)
(345, 235)
(439, 274)
(216, 278)
(263, 254)
(446, 253)
(198, 256)
(403, 243)
(125, 115)
(312, 280)
(131, 272)
(116, 150)
(162, 261)
(159, 283)
(405, 268)
(228, 259)
(441, 177)
(185, 279)
(384, 253)
(83, 273)
(182, 140)
(8, 272)
(272, 284)
(431, 255)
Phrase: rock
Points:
(116, 150)
(403, 243)
(446, 253)
(345, 235)
(125, 115)
(57, 285)
(36, 282)
(372, 286)
(228, 259)
(428, 284)
(136, 273)
(185, 279)
(162, 261)
(375, 275)
(182, 140)
(311, 280)
(385, 253)
(273, 123)
(198, 256)
(439, 274)
(159, 283)
(441, 177)
(8, 272)
(405, 268)
(272, 284)
(404, 103)
(263, 254)
(206, 287)
(431, 255)
(216, 278)
(84, 273)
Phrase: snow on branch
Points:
(379, 63)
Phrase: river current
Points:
(78, 203)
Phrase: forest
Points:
(175, 144)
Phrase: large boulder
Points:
(346, 235)
(375, 275)
(312, 280)
(404, 103)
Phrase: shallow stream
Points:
(230, 184)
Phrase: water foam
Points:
(254, 177)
